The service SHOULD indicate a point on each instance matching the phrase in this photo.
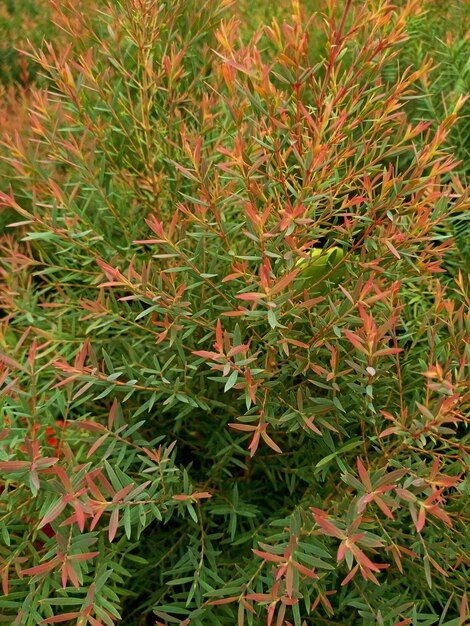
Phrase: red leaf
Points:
(309, 424)
(97, 444)
(268, 557)
(218, 337)
(93, 426)
(363, 559)
(387, 351)
(183, 497)
(83, 389)
(254, 444)
(97, 517)
(421, 519)
(440, 514)
(251, 296)
(270, 442)
(65, 381)
(463, 607)
(304, 570)
(271, 609)
(72, 574)
(350, 575)
(341, 552)
(205, 354)
(384, 508)
(14, 466)
(184, 171)
(65, 617)
(355, 340)
(11, 362)
(289, 582)
(113, 524)
(85, 556)
(392, 249)
(299, 344)
(327, 527)
(238, 313)
(406, 495)
(258, 597)
(80, 515)
(199, 495)
(245, 427)
(238, 349)
(364, 475)
(122, 493)
(233, 276)
(53, 513)
(112, 413)
(438, 567)
(224, 600)
(4, 434)
(5, 581)
(388, 431)
(283, 282)
(43, 568)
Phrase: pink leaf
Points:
(251, 296)
(122, 493)
(97, 444)
(72, 574)
(80, 515)
(356, 341)
(270, 442)
(327, 527)
(218, 337)
(392, 249)
(238, 349)
(65, 617)
(384, 508)
(304, 570)
(421, 519)
(440, 514)
(14, 466)
(387, 351)
(254, 443)
(350, 575)
(199, 495)
(388, 431)
(341, 552)
(205, 354)
(5, 581)
(84, 556)
(244, 427)
(113, 524)
(268, 557)
(53, 513)
(259, 597)
(43, 568)
(224, 600)
(364, 475)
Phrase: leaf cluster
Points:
(196, 430)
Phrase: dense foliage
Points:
(204, 419)
(21, 21)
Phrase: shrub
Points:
(194, 430)
(25, 23)
(443, 33)
(20, 20)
